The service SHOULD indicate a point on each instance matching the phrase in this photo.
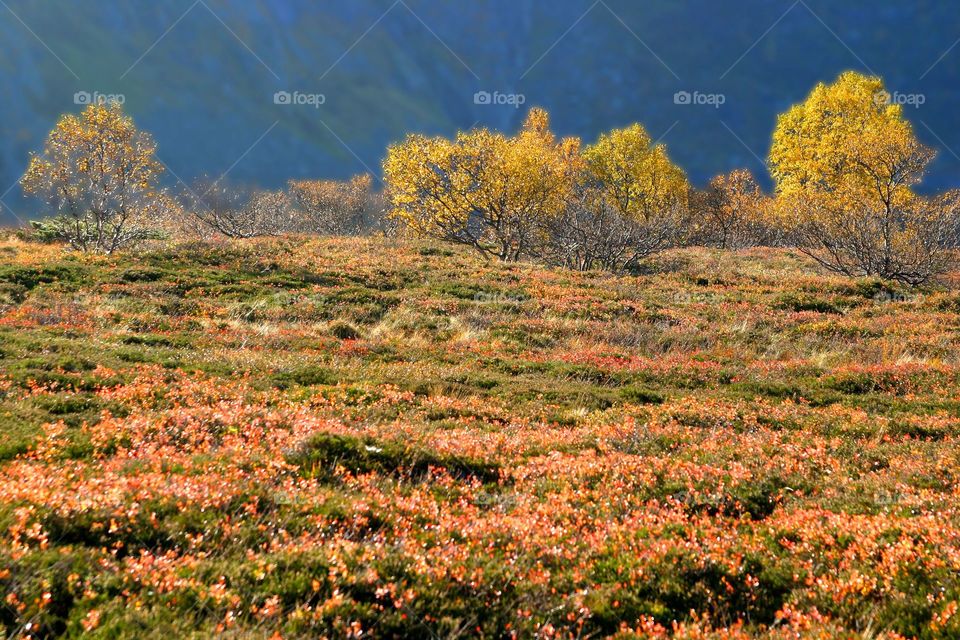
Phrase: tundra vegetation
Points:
(534, 388)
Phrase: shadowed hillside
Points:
(202, 76)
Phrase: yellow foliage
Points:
(101, 173)
(483, 188)
(848, 144)
(503, 194)
(845, 162)
(635, 175)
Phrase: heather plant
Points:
(322, 437)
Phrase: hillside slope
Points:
(201, 76)
(314, 438)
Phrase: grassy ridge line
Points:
(311, 436)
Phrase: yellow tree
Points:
(846, 162)
(101, 174)
(483, 189)
(630, 202)
(637, 176)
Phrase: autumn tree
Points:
(100, 173)
(629, 202)
(332, 207)
(846, 163)
(731, 213)
(483, 189)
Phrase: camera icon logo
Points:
(682, 97)
(82, 98)
(482, 97)
(282, 97)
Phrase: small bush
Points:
(801, 302)
(320, 457)
(344, 330)
(640, 395)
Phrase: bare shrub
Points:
(592, 233)
(909, 243)
(731, 213)
(331, 207)
(220, 208)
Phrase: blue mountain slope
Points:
(201, 76)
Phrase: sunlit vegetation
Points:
(359, 437)
(845, 163)
(535, 387)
